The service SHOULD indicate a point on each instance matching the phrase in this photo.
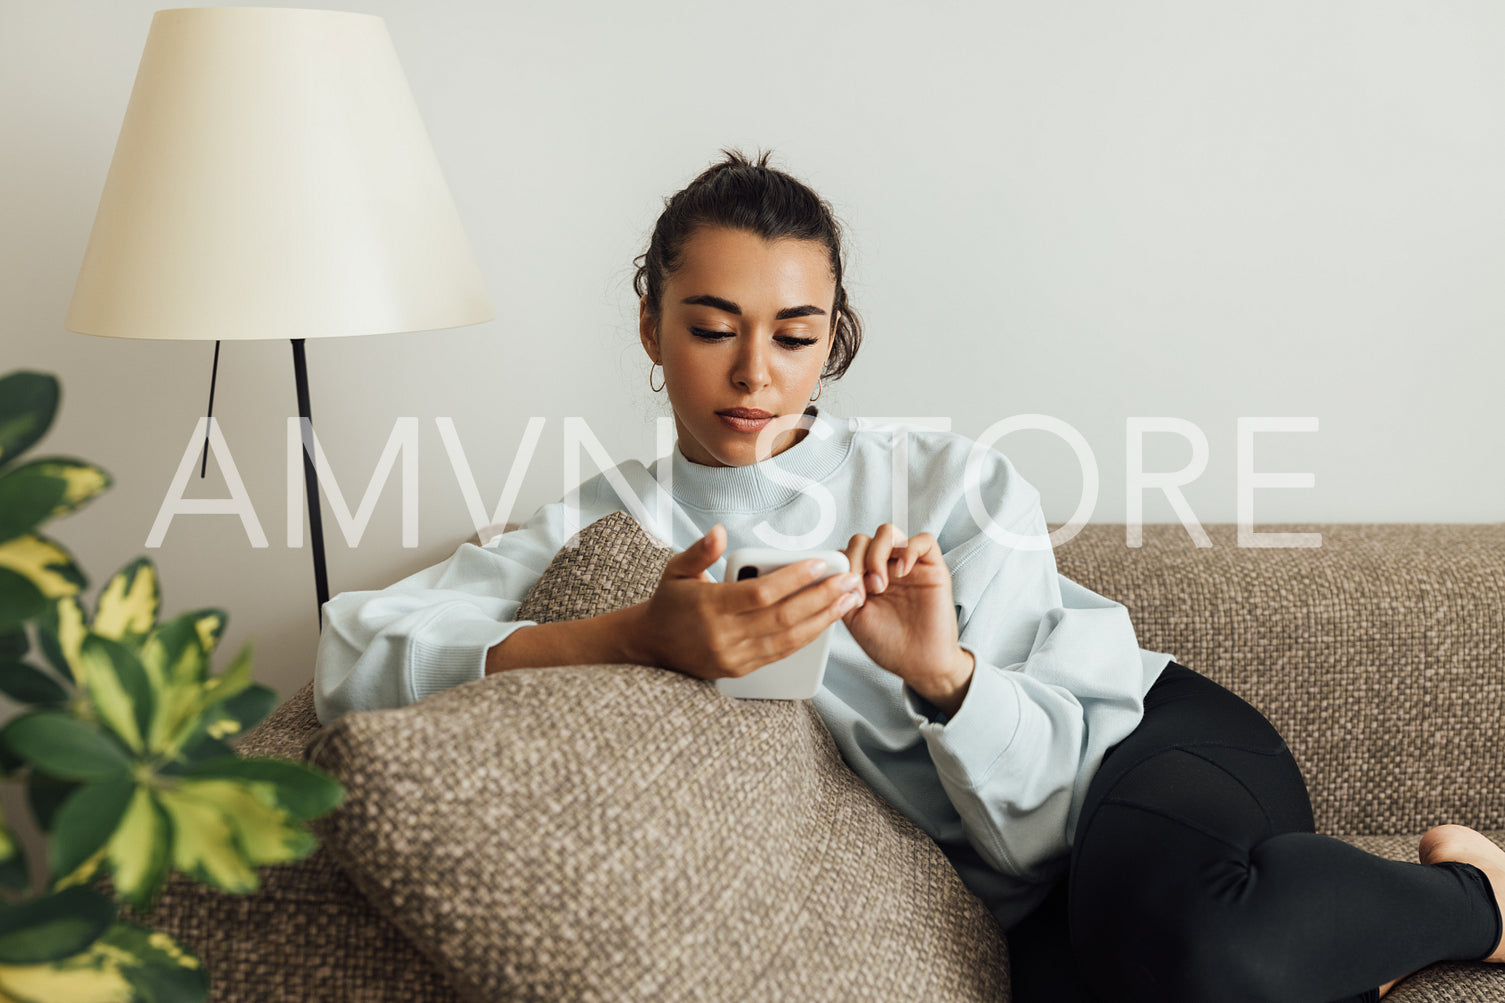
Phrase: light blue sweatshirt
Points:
(1059, 679)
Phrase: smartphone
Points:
(797, 676)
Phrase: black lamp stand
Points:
(310, 476)
(310, 473)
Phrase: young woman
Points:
(1141, 832)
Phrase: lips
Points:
(745, 412)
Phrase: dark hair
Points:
(741, 195)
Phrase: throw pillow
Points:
(620, 832)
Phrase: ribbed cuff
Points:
(970, 744)
(454, 654)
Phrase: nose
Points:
(751, 368)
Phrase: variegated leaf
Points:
(264, 832)
(48, 566)
(210, 626)
(178, 651)
(163, 970)
(84, 825)
(82, 482)
(203, 842)
(28, 497)
(91, 977)
(128, 604)
(302, 789)
(85, 872)
(111, 676)
(141, 851)
(214, 691)
(128, 962)
(178, 707)
(230, 682)
(60, 631)
(232, 718)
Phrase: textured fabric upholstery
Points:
(307, 934)
(596, 832)
(1379, 655)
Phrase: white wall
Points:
(1089, 210)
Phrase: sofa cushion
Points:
(277, 943)
(623, 831)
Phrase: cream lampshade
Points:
(273, 179)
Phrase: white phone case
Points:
(797, 676)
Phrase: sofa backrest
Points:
(1379, 655)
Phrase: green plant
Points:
(121, 747)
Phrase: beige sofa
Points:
(1379, 655)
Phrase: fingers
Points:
(819, 605)
(920, 547)
(774, 615)
(767, 590)
(857, 557)
(695, 560)
(875, 559)
(791, 596)
(788, 625)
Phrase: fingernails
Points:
(848, 582)
(874, 583)
(846, 602)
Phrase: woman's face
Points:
(746, 324)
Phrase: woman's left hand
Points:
(907, 621)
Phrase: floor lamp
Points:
(273, 179)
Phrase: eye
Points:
(789, 342)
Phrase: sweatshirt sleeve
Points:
(429, 632)
(1059, 679)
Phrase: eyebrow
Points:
(706, 299)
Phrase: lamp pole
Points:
(310, 477)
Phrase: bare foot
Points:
(1459, 842)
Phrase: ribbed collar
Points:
(753, 487)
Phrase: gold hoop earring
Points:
(819, 388)
(655, 389)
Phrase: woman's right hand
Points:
(716, 630)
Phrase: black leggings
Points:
(1197, 875)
